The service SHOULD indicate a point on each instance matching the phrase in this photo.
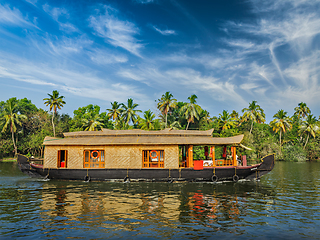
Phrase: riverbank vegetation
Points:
(292, 138)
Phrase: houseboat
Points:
(138, 155)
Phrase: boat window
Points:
(153, 158)
(62, 158)
(93, 159)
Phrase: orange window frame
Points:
(153, 158)
(62, 159)
(93, 159)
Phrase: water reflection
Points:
(284, 204)
(132, 206)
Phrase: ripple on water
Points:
(284, 204)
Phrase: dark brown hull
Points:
(157, 175)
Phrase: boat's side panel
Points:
(115, 156)
(187, 174)
(183, 174)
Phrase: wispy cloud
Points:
(55, 12)
(61, 16)
(78, 82)
(65, 45)
(144, 1)
(165, 32)
(102, 57)
(14, 17)
(115, 31)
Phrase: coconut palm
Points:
(12, 118)
(147, 123)
(55, 102)
(310, 126)
(129, 112)
(92, 123)
(253, 113)
(302, 110)
(281, 123)
(191, 110)
(226, 121)
(166, 103)
(115, 111)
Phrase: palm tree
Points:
(302, 110)
(310, 126)
(55, 102)
(165, 103)
(115, 111)
(226, 121)
(254, 113)
(12, 118)
(147, 123)
(191, 110)
(129, 112)
(92, 123)
(281, 123)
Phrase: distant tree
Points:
(89, 116)
(310, 126)
(165, 104)
(191, 110)
(226, 121)
(12, 118)
(281, 123)
(147, 123)
(115, 111)
(235, 115)
(54, 102)
(92, 123)
(253, 113)
(129, 112)
(302, 110)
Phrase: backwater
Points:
(285, 204)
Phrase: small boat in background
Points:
(138, 155)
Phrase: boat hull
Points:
(229, 173)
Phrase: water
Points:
(285, 204)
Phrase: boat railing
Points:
(36, 161)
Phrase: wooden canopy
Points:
(141, 137)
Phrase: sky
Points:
(227, 52)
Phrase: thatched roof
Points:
(141, 137)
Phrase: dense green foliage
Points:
(294, 138)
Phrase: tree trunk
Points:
(166, 119)
(280, 140)
(306, 142)
(54, 131)
(187, 125)
(251, 126)
(14, 143)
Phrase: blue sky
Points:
(227, 52)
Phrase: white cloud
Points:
(79, 82)
(54, 12)
(103, 57)
(33, 2)
(64, 45)
(68, 27)
(117, 32)
(165, 32)
(144, 1)
(13, 17)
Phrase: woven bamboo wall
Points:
(131, 156)
(115, 156)
(75, 156)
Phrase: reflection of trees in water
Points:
(223, 205)
(129, 206)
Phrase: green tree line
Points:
(292, 138)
